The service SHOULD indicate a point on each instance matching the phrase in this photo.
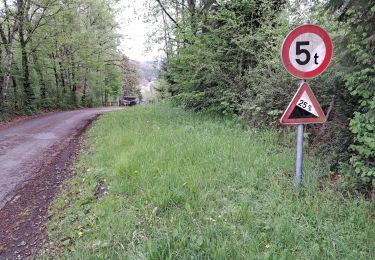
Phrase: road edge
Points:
(23, 218)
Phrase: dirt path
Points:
(35, 159)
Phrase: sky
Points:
(134, 31)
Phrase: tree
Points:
(131, 78)
(217, 49)
(357, 51)
(7, 16)
(62, 54)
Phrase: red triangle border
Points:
(285, 120)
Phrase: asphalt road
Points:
(25, 145)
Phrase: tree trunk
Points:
(85, 88)
(2, 42)
(74, 82)
(27, 88)
(15, 93)
(166, 42)
(40, 74)
(62, 76)
(9, 60)
(192, 8)
(55, 74)
(105, 98)
(68, 72)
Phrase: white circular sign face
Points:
(307, 52)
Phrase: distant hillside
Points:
(148, 70)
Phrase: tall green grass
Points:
(162, 183)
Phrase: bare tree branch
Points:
(166, 12)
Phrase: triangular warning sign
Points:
(304, 108)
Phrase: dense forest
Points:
(224, 57)
(57, 55)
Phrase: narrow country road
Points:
(24, 146)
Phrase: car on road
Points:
(128, 101)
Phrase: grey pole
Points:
(299, 154)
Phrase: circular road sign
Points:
(307, 51)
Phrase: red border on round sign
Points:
(309, 28)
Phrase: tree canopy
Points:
(58, 54)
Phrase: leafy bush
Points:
(357, 53)
(361, 85)
(231, 65)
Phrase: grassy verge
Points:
(162, 183)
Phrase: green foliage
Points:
(361, 84)
(70, 49)
(183, 185)
(230, 59)
(358, 55)
(131, 80)
(227, 61)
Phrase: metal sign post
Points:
(303, 109)
(299, 154)
(305, 53)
